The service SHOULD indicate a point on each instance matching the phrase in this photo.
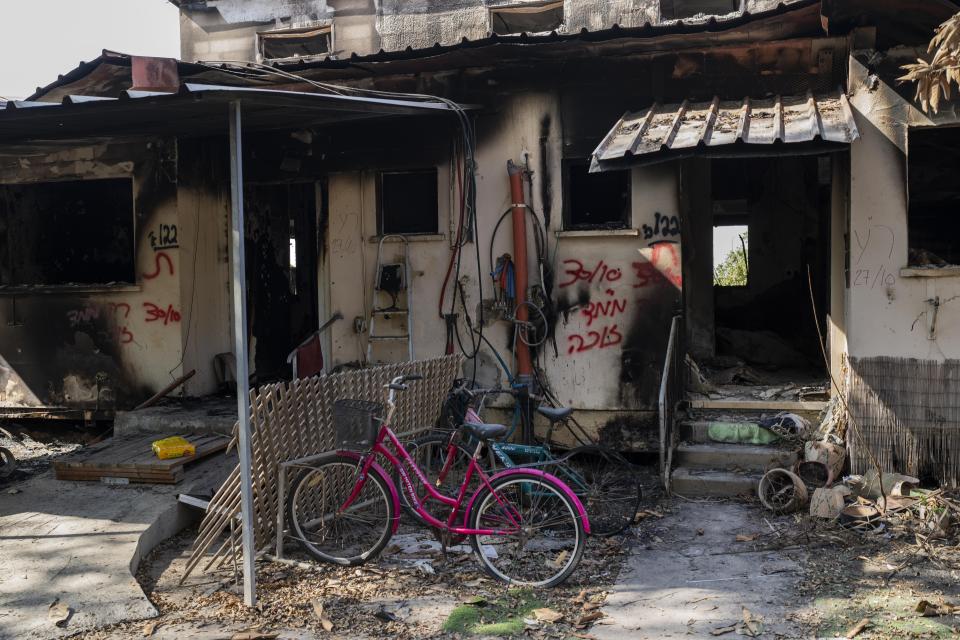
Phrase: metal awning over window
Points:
(728, 128)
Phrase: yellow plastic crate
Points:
(175, 447)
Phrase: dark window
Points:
(595, 200)
(294, 43)
(933, 221)
(680, 9)
(532, 18)
(59, 233)
(408, 202)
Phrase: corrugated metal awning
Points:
(196, 109)
(727, 127)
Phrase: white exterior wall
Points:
(205, 288)
(619, 298)
(883, 307)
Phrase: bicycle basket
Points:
(356, 424)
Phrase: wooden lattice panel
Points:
(292, 420)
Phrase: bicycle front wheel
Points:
(326, 530)
(538, 537)
(607, 485)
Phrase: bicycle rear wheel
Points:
(607, 485)
(348, 537)
(540, 537)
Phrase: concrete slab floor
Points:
(213, 414)
(81, 542)
(683, 582)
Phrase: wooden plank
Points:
(96, 473)
(133, 480)
(117, 472)
(133, 457)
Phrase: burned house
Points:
(646, 131)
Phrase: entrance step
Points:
(732, 404)
(691, 482)
(698, 431)
(733, 456)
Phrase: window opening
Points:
(595, 200)
(293, 256)
(731, 266)
(294, 43)
(78, 232)
(680, 9)
(408, 202)
(532, 18)
(933, 218)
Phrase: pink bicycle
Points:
(525, 526)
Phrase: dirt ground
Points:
(409, 592)
(845, 577)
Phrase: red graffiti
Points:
(124, 335)
(158, 256)
(608, 337)
(663, 267)
(601, 273)
(606, 309)
(155, 313)
(120, 306)
(667, 259)
(645, 273)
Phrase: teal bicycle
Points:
(606, 483)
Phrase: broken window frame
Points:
(939, 214)
(498, 16)
(382, 197)
(570, 223)
(117, 280)
(316, 29)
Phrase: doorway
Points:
(282, 249)
(769, 226)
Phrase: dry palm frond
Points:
(933, 78)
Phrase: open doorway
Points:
(770, 220)
(281, 234)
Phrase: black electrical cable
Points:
(469, 184)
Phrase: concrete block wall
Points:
(227, 29)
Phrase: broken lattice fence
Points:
(291, 420)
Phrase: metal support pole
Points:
(242, 357)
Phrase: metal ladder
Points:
(393, 279)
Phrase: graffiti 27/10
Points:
(608, 337)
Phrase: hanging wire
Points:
(466, 174)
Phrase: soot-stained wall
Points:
(106, 344)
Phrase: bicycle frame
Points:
(368, 460)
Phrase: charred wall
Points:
(96, 344)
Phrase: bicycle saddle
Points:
(483, 431)
(555, 414)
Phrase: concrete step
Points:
(699, 430)
(733, 456)
(690, 482)
(731, 404)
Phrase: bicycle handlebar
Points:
(398, 383)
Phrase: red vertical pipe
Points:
(524, 364)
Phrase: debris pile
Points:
(727, 376)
